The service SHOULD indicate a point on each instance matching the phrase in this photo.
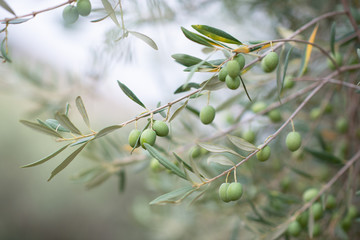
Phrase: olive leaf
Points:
(65, 121)
(286, 63)
(6, 6)
(216, 148)
(144, 38)
(242, 143)
(324, 156)
(41, 128)
(66, 162)
(80, 106)
(220, 159)
(178, 110)
(130, 94)
(107, 130)
(4, 51)
(170, 196)
(54, 124)
(199, 39)
(109, 9)
(216, 34)
(45, 159)
(332, 37)
(187, 87)
(188, 60)
(212, 84)
(166, 163)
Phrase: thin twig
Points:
(351, 18)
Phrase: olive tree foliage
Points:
(283, 163)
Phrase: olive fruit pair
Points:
(270, 62)
(263, 154)
(207, 114)
(159, 128)
(293, 141)
(230, 74)
(71, 13)
(230, 191)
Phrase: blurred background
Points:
(53, 63)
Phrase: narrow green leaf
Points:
(46, 158)
(278, 72)
(324, 156)
(300, 172)
(242, 143)
(187, 87)
(82, 140)
(4, 52)
(212, 84)
(5, 6)
(145, 38)
(246, 91)
(130, 94)
(100, 19)
(187, 166)
(41, 128)
(216, 34)
(332, 37)
(216, 148)
(98, 180)
(107, 130)
(67, 108)
(169, 197)
(169, 165)
(65, 121)
(66, 162)
(187, 60)
(80, 106)
(197, 38)
(178, 111)
(122, 180)
(220, 159)
(109, 9)
(54, 124)
(87, 174)
(160, 111)
(286, 63)
(193, 110)
(18, 21)
(358, 52)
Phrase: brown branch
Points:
(351, 18)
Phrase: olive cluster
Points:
(71, 13)
(230, 191)
(137, 138)
(230, 74)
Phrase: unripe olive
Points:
(161, 128)
(342, 125)
(294, 229)
(309, 194)
(330, 202)
(328, 108)
(232, 83)
(303, 218)
(315, 113)
(263, 154)
(338, 60)
(207, 114)
(83, 7)
(293, 141)
(133, 137)
(352, 212)
(155, 166)
(241, 60)
(234, 191)
(275, 115)
(258, 107)
(270, 62)
(316, 229)
(289, 82)
(249, 136)
(70, 14)
(317, 210)
(346, 223)
(148, 136)
(233, 68)
(222, 74)
(223, 192)
(195, 152)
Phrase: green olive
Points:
(316, 229)
(303, 218)
(223, 192)
(222, 74)
(233, 68)
(70, 14)
(234, 191)
(294, 229)
(330, 202)
(133, 137)
(241, 60)
(338, 59)
(148, 136)
(195, 152)
(232, 83)
(275, 115)
(249, 136)
(317, 210)
(155, 165)
(258, 106)
(309, 194)
(289, 82)
(161, 128)
(270, 62)
(352, 212)
(207, 114)
(315, 113)
(293, 141)
(263, 154)
(342, 125)
(83, 7)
